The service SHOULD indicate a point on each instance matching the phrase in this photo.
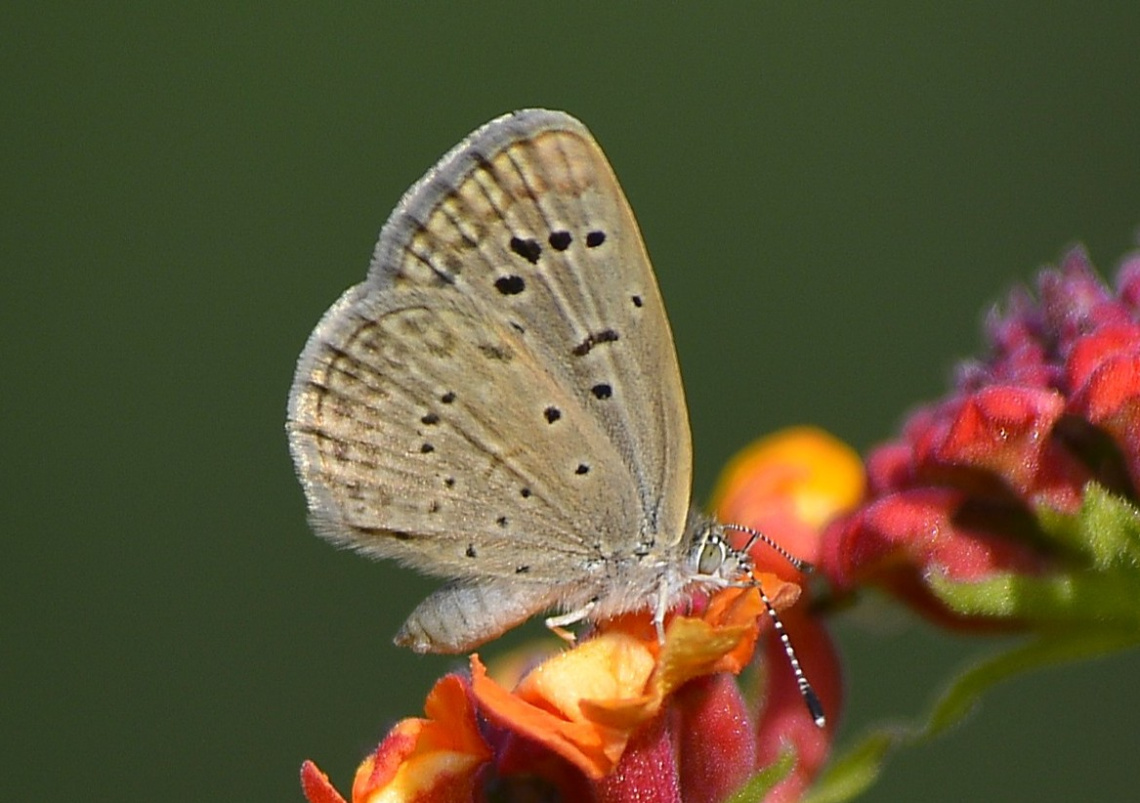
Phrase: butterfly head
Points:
(714, 561)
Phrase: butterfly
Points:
(499, 403)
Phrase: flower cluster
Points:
(1009, 504)
(987, 511)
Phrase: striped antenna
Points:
(811, 699)
(798, 564)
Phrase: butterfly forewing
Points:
(501, 396)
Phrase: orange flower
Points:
(430, 759)
(585, 704)
(789, 485)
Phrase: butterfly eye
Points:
(711, 557)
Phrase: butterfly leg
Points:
(660, 611)
(557, 624)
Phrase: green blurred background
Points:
(831, 196)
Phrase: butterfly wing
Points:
(500, 399)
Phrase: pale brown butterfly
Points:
(499, 402)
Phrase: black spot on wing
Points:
(559, 240)
(594, 339)
(510, 285)
(528, 249)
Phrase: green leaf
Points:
(967, 689)
(1106, 529)
(855, 772)
(1065, 599)
(766, 779)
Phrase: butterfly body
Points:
(499, 403)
